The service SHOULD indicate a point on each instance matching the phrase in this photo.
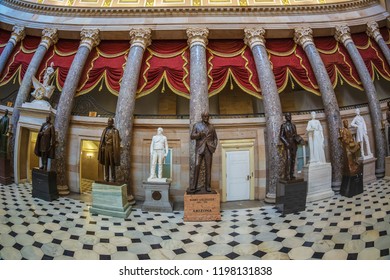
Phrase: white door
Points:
(237, 175)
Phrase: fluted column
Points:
(254, 38)
(140, 40)
(199, 97)
(343, 35)
(89, 40)
(18, 34)
(373, 32)
(304, 37)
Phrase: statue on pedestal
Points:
(206, 143)
(4, 128)
(109, 150)
(361, 134)
(158, 153)
(290, 139)
(351, 150)
(43, 91)
(316, 140)
(45, 145)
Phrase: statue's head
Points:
(160, 130)
(357, 111)
(48, 119)
(110, 122)
(205, 117)
(313, 115)
(287, 116)
(6, 112)
(345, 123)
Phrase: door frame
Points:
(238, 145)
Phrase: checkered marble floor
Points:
(336, 228)
(86, 186)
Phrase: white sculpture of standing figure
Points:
(158, 152)
(316, 140)
(361, 134)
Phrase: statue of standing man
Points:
(158, 152)
(361, 134)
(45, 145)
(4, 127)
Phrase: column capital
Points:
(343, 34)
(373, 30)
(141, 37)
(303, 36)
(18, 34)
(197, 36)
(89, 38)
(49, 37)
(254, 37)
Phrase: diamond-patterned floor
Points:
(336, 228)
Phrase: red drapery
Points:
(4, 37)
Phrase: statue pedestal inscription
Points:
(387, 166)
(319, 181)
(44, 184)
(291, 195)
(368, 170)
(157, 196)
(5, 171)
(110, 199)
(202, 207)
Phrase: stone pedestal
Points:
(387, 172)
(157, 197)
(291, 196)
(319, 181)
(352, 185)
(5, 171)
(110, 199)
(44, 184)
(202, 207)
(368, 170)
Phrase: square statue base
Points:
(352, 185)
(157, 196)
(387, 168)
(5, 171)
(368, 170)
(202, 207)
(319, 181)
(44, 184)
(291, 196)
(110, 199)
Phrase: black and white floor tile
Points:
(336, 228)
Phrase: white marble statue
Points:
(316, 140)
(158, 153)
(43, 91)
(361, 134)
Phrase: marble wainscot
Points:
(157, 195)
(368, 169)
(202, 207)
(110, 199)
(319, 181)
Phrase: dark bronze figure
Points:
(4, 128)
(351, 151)
(45, 145)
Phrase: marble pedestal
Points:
(44, 184)
(368, 170)
(319, 181)
(157, 196)
(202, 207)
(387, 167)
(110, 199)
(5, 171)
(291, 196)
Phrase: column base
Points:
(202, 207)
(44, 184)
(270, 198)
(63, 190)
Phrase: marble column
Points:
(254, 38)
(89, 40)
(199, 97)
(304, 37)
(18, 34)
(343, 35)
(140, 40)
(373, 32)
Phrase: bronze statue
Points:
(45, 145)
(4, 128)
(206, 143)
(109, 150)
(351, 151)
(290, 139)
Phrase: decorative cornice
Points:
(303, 36)
(343, 34)
(184, 11)
(18, 34)
(141, 37)
(89, 38)
(373, 30)
(254, 37)
(49, 37)
(197, 36)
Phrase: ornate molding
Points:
(197, 37)
(89, 38)
(141, 37)
(373, 30)
(18, 34)
(49, 37)
(303, 36)
(254, 37)
(343, 34)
